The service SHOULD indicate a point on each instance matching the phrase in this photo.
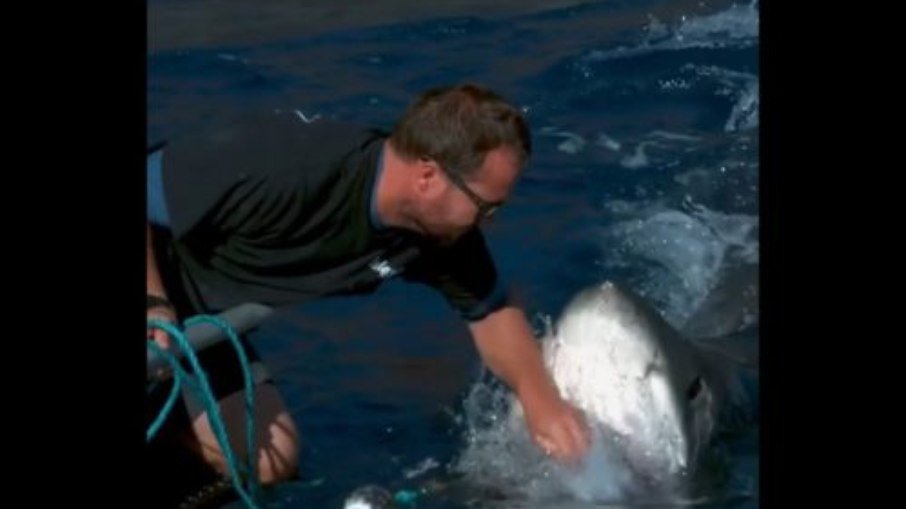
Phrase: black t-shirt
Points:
(271, 209)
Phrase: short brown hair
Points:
(458, 125)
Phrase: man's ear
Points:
(426, 174)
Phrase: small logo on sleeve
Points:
(383, 268)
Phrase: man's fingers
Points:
(580, 430)
(545, 444)
(580, 438)
(569, 440)
(576, 441)
(163, 339)
(160, 337)
(566, 447)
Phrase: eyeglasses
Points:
(486, 209)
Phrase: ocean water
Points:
(645, 170)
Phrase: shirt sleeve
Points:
(246, 175)
(464, 273)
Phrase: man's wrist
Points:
(155, 301)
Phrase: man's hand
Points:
(158, 305)
(506, 344)
(557, 427)
(161, 311)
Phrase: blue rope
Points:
(202, 389)
(405, 497)
(249, 385)
(174, 392)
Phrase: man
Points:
(276, 210)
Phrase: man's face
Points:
(453, 206)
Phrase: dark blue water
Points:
(645, 170)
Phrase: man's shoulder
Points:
(268, 142)
(268, 129)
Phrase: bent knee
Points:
(276, 436)
(277, 447)
(278, 456)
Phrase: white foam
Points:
(736, 26)
(682, 253)
(667, 135)
(745, 111)
(637, 159)
(572, 144)
(738, 22)
(742, 87)
(426, 465)
(307, 120)
(607, 142)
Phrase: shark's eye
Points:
(694, 388)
